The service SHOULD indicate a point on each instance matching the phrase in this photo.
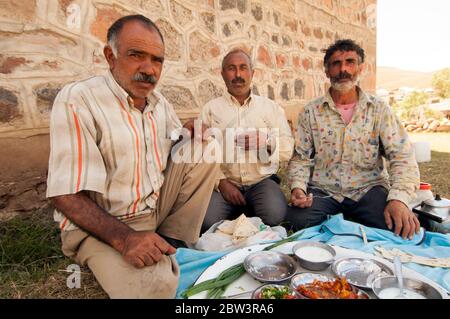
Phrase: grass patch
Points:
(32, 264)
(436, 173)
(27, 245)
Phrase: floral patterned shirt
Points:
(348, 160)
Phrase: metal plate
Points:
(360, 272)
(270, 266)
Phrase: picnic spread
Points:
(426, 258)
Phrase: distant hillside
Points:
(392, 78)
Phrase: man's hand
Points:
(252, 140)
(190, 126)
(231, 193)
(404, 220)
(300, 199)
(139, 248)
(143, 248)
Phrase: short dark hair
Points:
(343, 45)
(117, 26)
(234, 51)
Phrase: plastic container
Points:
(422, 151)
(422, 194)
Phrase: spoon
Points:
(399, 275)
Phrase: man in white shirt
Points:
(260, 126)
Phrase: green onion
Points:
(222, 281)
(215, 293)
(283, 241)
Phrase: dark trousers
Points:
(264, 200)
(369, 210)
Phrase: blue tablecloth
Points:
(340, 232)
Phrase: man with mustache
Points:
(260, 128)
(122, 204)
(344, 138)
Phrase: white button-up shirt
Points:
(256, 113)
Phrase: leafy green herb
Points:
(272, 292)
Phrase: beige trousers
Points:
(180, 212)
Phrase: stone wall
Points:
(45, 44)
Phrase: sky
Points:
(413, 34)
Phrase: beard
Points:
(345, 86)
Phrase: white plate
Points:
(247, 283)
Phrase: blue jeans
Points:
(368, 211)
(264, 200)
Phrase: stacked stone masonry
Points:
(45, 44)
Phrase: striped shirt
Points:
(102, 144)
(348, 160)
(256, 113)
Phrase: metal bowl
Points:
(417, 286)
(305, 278)
(360, 272)
(292, 292)
(270, 266)
(308, 278)
(313, 263)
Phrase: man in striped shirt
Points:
(119, 198)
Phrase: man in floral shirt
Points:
(339, 164)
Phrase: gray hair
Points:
(112, 43)
(234, 51)
(346, 46)
(117, 26)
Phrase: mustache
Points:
(343, 75)
(238, 80)
(142, 77)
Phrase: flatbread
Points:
(407, 257)
(243, 228)
(227, 227)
